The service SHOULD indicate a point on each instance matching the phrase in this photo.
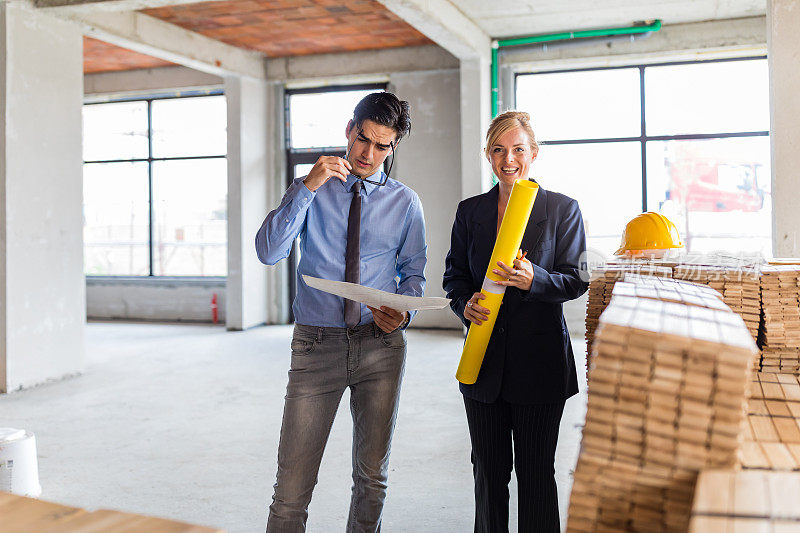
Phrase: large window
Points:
(689, 140)
(155, 187)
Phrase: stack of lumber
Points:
(746, 501)
(601, 286)
(779, 336)
(19, 514)
(666, 399)
(771, 436)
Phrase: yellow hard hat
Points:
(649, 231)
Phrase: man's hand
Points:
(387, 318)
(327, 167)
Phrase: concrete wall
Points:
(694, 41)
(784, 88)
(429, 161)
(43, 298)
(115, 84)
(155, 300)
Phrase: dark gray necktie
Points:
(352, 273)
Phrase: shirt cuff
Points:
(301, 199)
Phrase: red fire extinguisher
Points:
(214, 313)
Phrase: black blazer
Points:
(529, 358)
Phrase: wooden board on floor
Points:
(19, 514)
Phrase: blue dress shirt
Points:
(392, 242)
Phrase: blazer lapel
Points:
(535, 228)
(485, 219)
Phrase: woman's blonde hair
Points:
(506, 122)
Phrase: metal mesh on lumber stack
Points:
(739, 286)
(666, 399)
(670, 290)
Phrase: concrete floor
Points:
(182, 421)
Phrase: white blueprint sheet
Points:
(374, 297)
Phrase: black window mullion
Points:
(150, 182)
(146, 160)
(643, 139)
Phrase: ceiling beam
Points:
(443, 23)
(154, 37)
(98, 6)
(367, 63)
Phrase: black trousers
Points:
(534, 429)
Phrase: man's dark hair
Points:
(385, 109)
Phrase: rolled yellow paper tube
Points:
(515, 220)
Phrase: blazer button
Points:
(501, 330)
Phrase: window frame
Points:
(643, 138)
(149, 99)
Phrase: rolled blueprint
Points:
(512, 228)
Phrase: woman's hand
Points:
(520, 275)
(474, 312)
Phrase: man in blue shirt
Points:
(355, 224)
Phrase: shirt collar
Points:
(368, 187)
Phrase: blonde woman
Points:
(515, 406)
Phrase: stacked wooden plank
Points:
(779, 336)
(746, 501)
(666, 399)
(601, 286)
(19, 514)
(771, 436)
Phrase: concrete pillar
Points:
(434, 174)
(42, 287)
(475, 85)
(783, 19)
(255, 293)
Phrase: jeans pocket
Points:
(302, 345)
(395, 339)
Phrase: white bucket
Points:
(19, 471)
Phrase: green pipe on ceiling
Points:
(562, 36)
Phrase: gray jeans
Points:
(325, 361)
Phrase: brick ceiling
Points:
(276, 28)
(295, 27)
(99, 56)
